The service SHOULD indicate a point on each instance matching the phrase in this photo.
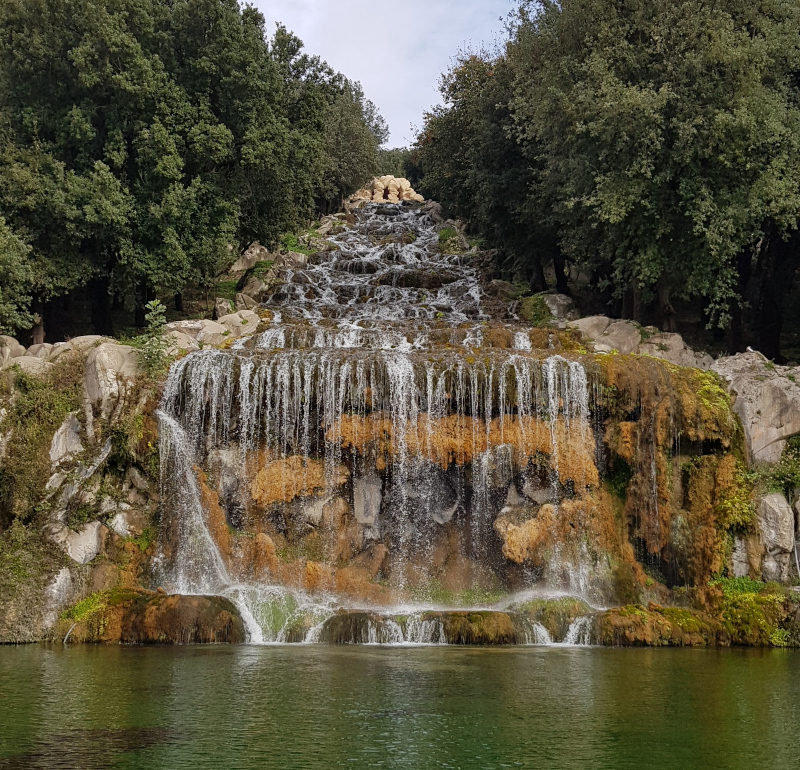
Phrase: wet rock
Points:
(258, 287)
(767, 402)
(367, 499)
(111, 371)
(503, 290)
(129, 522)
(66, 442)
(58, 594)
(481, 628)
(182, 620)
(654, 626)
(776, 526)
(740, 562)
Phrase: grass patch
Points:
(86, 608)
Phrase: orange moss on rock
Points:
(455, 439)
(281, 481)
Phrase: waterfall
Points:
(379, 407)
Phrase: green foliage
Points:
(291, 242)
(15, 287)
(88, 607)
(446, 234)
(736, 510)
(40, 406)
(154, 342)
(534, 310)
(734, 586)
(394, 162)
(784, 476)
(649, 144)
(139, 139)
(145, 540)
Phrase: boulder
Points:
(561, 306)
(258, 287)
(672, 348)
(240, 323)
(128, 522)
(776, 526)
(254, 254)
(85, 544)
(591, 327)
(182, 620)
(245, 302)
(178, 341)
(14, 348)
(503, 290)
(222, 307)
(767, 402)
(189, 328)
(36, 367)
(66, 442)
(213, 333)
(42, 350)
(623, 336)
(111, 370)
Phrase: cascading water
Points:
(380, 438)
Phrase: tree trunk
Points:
(37, 331)
(179, 302)
(538, 281)
(559, 266)
(145, 295)
(782, 260)
(666, 312)
(100, 299)
(744, 269)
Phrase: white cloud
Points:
(396, 49)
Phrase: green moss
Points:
(447, 234)
(290, 242)
(736, 510)
(434, 593)
(785, 475)
(534, 310)
(145, 540)
(735, 586)
(87, 607)
(40, 406)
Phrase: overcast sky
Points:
(396, 48)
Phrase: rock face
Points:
(776, 525)
(66, 441)
(767, 402)
(111, 370)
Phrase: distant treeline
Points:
(143, 141)
(650, 147)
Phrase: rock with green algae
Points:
(146, 617)
(555, 614)
(656, 626)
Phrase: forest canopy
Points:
(651, 147)
(144, 141)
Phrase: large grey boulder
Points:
(776, 527)
(66, 442)
(111, 371)
(42, 350)
(245, 302)
(767, 402)
(178, 342)
(561, 307)
(222, 307)
(36, 367)
(254, 253)
(14, 348)
(671, 347)
(591, 327)
(622, 336)
(213, 333)
(240, 323)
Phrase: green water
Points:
(326, 707)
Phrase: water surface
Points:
(362, 707)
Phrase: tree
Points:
(15, 288)
(668, 134)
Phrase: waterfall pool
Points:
(317, 706)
